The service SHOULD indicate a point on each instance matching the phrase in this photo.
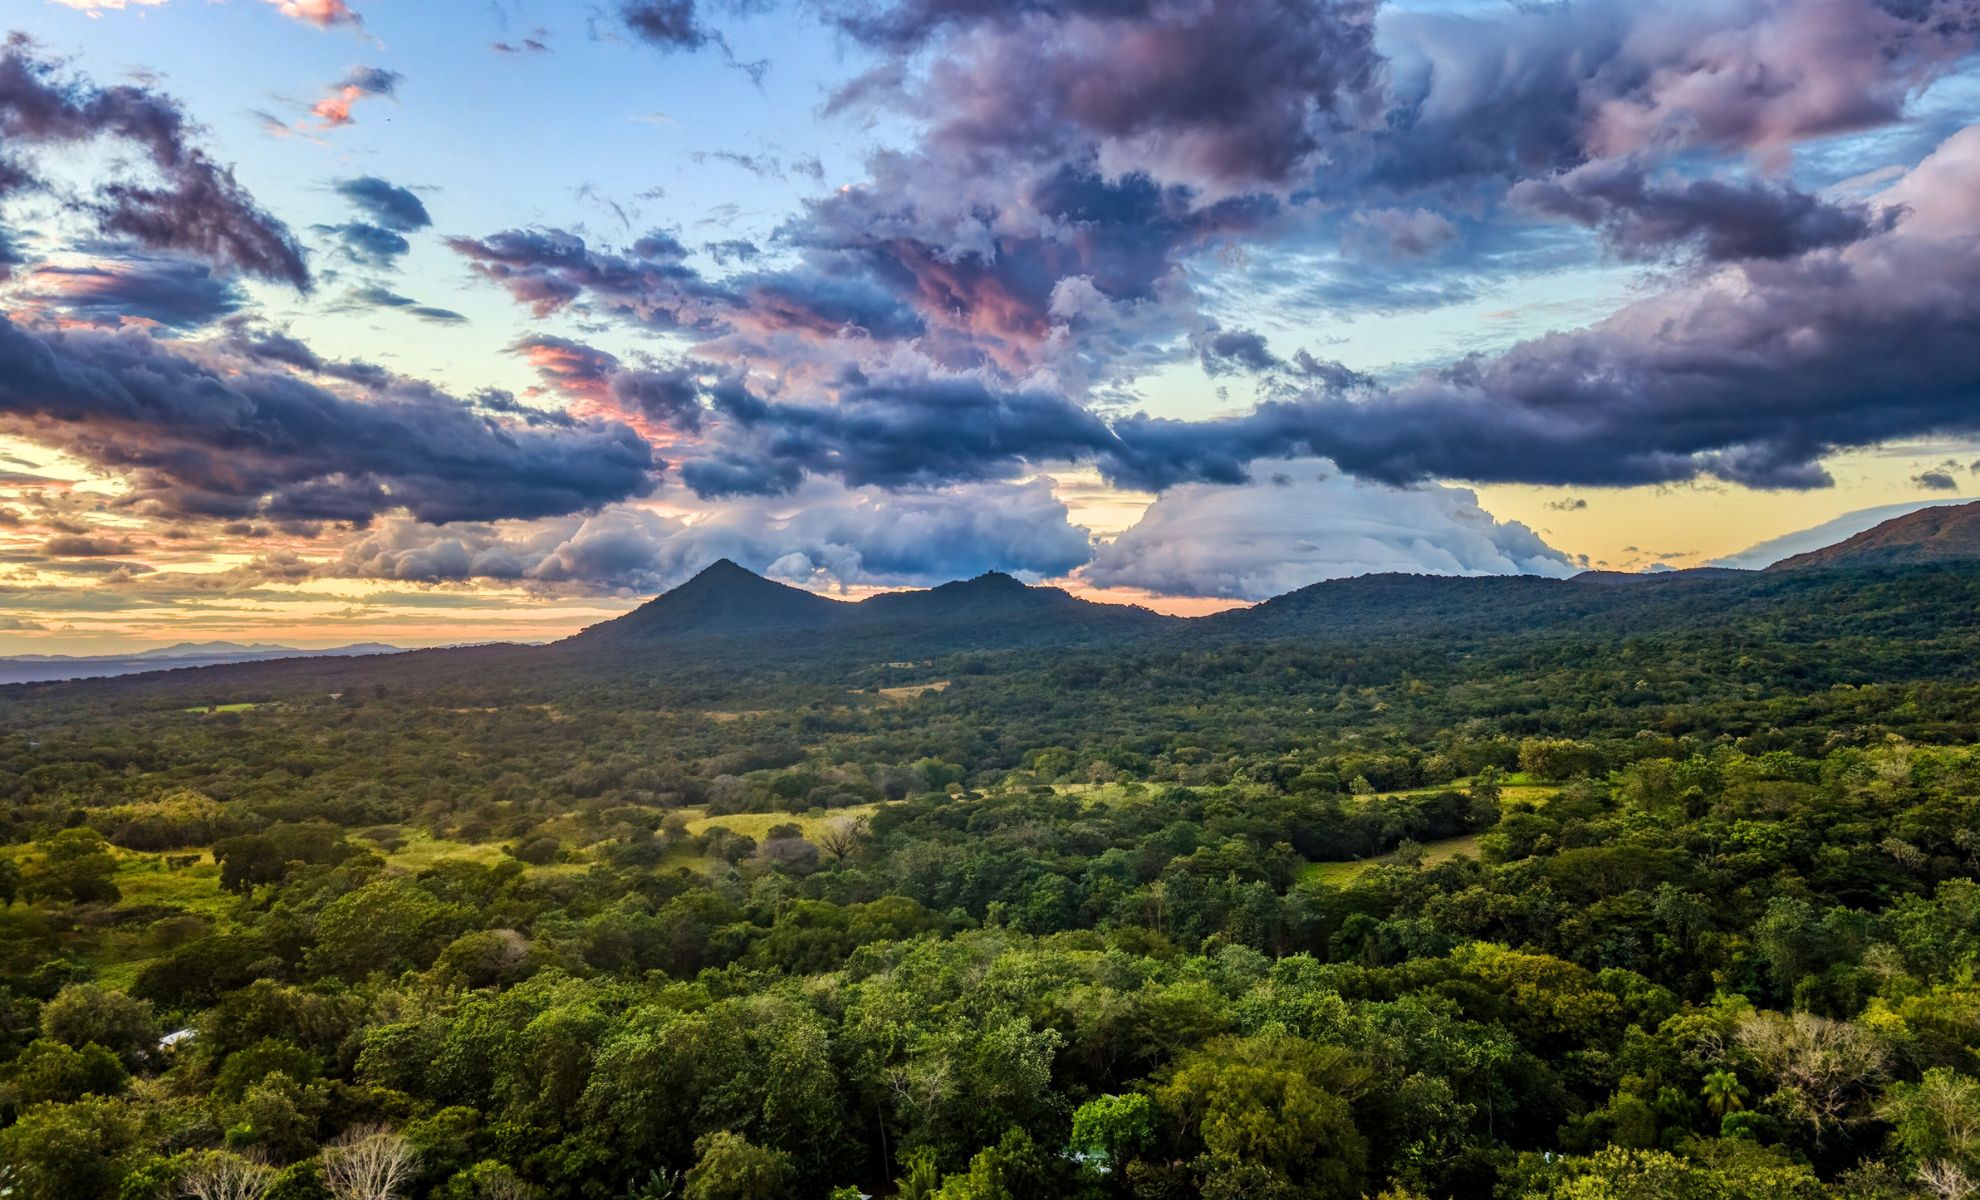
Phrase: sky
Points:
(371, 320)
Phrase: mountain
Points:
(41, 668)
(1765, 554)
(1627, 577)
(994, 597)
(726, 602)
(1941, 534)
(728, 626)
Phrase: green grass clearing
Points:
(238, 706)
(144, 879)
(1338, 874)
(757, 825)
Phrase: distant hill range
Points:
(992, 610)
(727, 620)
(1942, 534)
(38, 668)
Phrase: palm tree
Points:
(1723, 1093)
(922, 1180)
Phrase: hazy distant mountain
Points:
(1943, 533)
(39, 668)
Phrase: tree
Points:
(217, 1175)
(67, 1151)
(921, 1179)
(1010, 1170)
(74, 866)
(368, 1163)
(1272, 1117)
(385, 926)
(1723, 1092)
(1114, 1127)
(487, 1180)
(83, 1013)
(728, 1167)
(247, 861)
(1936, 1121)
(52, 1071)
(1820, 1068)
(841, 836)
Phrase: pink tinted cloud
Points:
(324, 14)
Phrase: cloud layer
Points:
(194, 205)
(206, 436)
(1302, 522)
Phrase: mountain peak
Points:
(722, 598)
(1942, 533)
(725, 569)
(987, 583)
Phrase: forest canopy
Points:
(1681, 904)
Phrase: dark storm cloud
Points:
(386, 204)
(378, 297)
(550, 269)
(668, 24)
(235, 439)
(177, 292)
(1227, 350)
(907, 26)
(1235, 92)
(1935, 481)
(1246, 93)
(1546, 88)
(1724, 221)
(949, 320)
(905, 431)
(197, 207)
(1751, 375)
(985, 279)
(732, 250)
(670, 395)
(10, 255)
(652, 285)
(273, 348)
(1752, 378)
(366, 244)
(569, 366)
(74, 545)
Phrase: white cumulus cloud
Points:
(1301, 521)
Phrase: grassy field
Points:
(144, 879)
(912, 690)
(242, 706)
(1513, 789)
(757, 825)
(1339, 873)
(420, 852)
(1108, 793)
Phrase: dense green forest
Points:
(1405, 889)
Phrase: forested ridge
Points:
(1392, 887)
